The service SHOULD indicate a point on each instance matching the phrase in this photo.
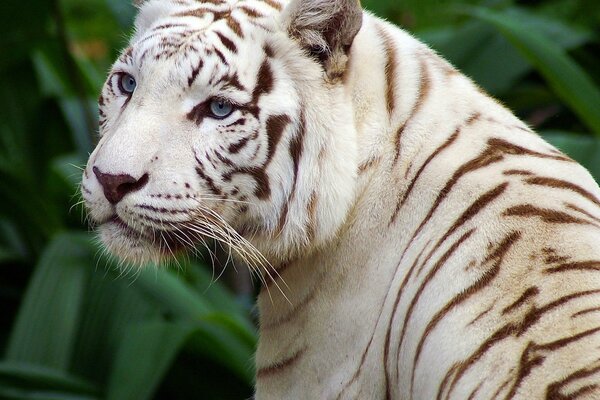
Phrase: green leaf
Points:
(32, 381)
(568, 80)
(46, 325)
(146, 351)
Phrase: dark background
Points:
(71, 325)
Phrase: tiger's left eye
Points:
(127, 84)
(220, 108)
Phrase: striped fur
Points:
(428, 244)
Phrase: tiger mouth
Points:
(166, 241)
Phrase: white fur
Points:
(340, 314)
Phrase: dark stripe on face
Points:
(209, 182)
(236, 147)
(264, 83)
(252, 13)
(227, 42)
(195, 72)
(198, 113)
(235, 26)
(273, 4)
(234, 82)
(275, 126)
(221, 57)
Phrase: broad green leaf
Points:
(46, 325)
(149, 348)
(32, 380)
(170, 292)
(110, 307)
(145, 353)
(569, 81)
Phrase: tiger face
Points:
(206, 132)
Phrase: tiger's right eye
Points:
(127, 84)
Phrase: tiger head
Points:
(229, 120)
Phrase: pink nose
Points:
(115, 187)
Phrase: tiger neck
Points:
(379, 171)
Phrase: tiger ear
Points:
(149, 11)
(326, 29)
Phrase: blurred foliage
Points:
(71, 327)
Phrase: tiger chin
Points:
(414, 239)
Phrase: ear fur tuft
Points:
(326, 29)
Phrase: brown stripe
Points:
(275, 126)
(447, 378)
(424, 88)
(586, 311)
(582, 211)
(362, 168)
(561, 184)
(264, 82)
(557, 344)
(527, 362)
(432, 273)
(235, 26)
(221, 56)
(554, 389)
(209, 181)
(280, 366)
(497, 256)
(235, 148)
(517, 172)
(311, 211)
(297, 146)
(590, 265)
(273, 4)
(252, 13)
(227, 42)
(546, 215)
(530, 292)
(481, 315)
(390, 68)
(482, 202)
(292, 313)
(472, 118)
(390, 325)
(195, 72)
(517, 329)
(503, 385)
(474, 392)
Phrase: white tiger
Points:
(426, 244)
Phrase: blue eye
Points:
(127, 84)
(220, 108)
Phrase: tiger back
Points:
(414, 239)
